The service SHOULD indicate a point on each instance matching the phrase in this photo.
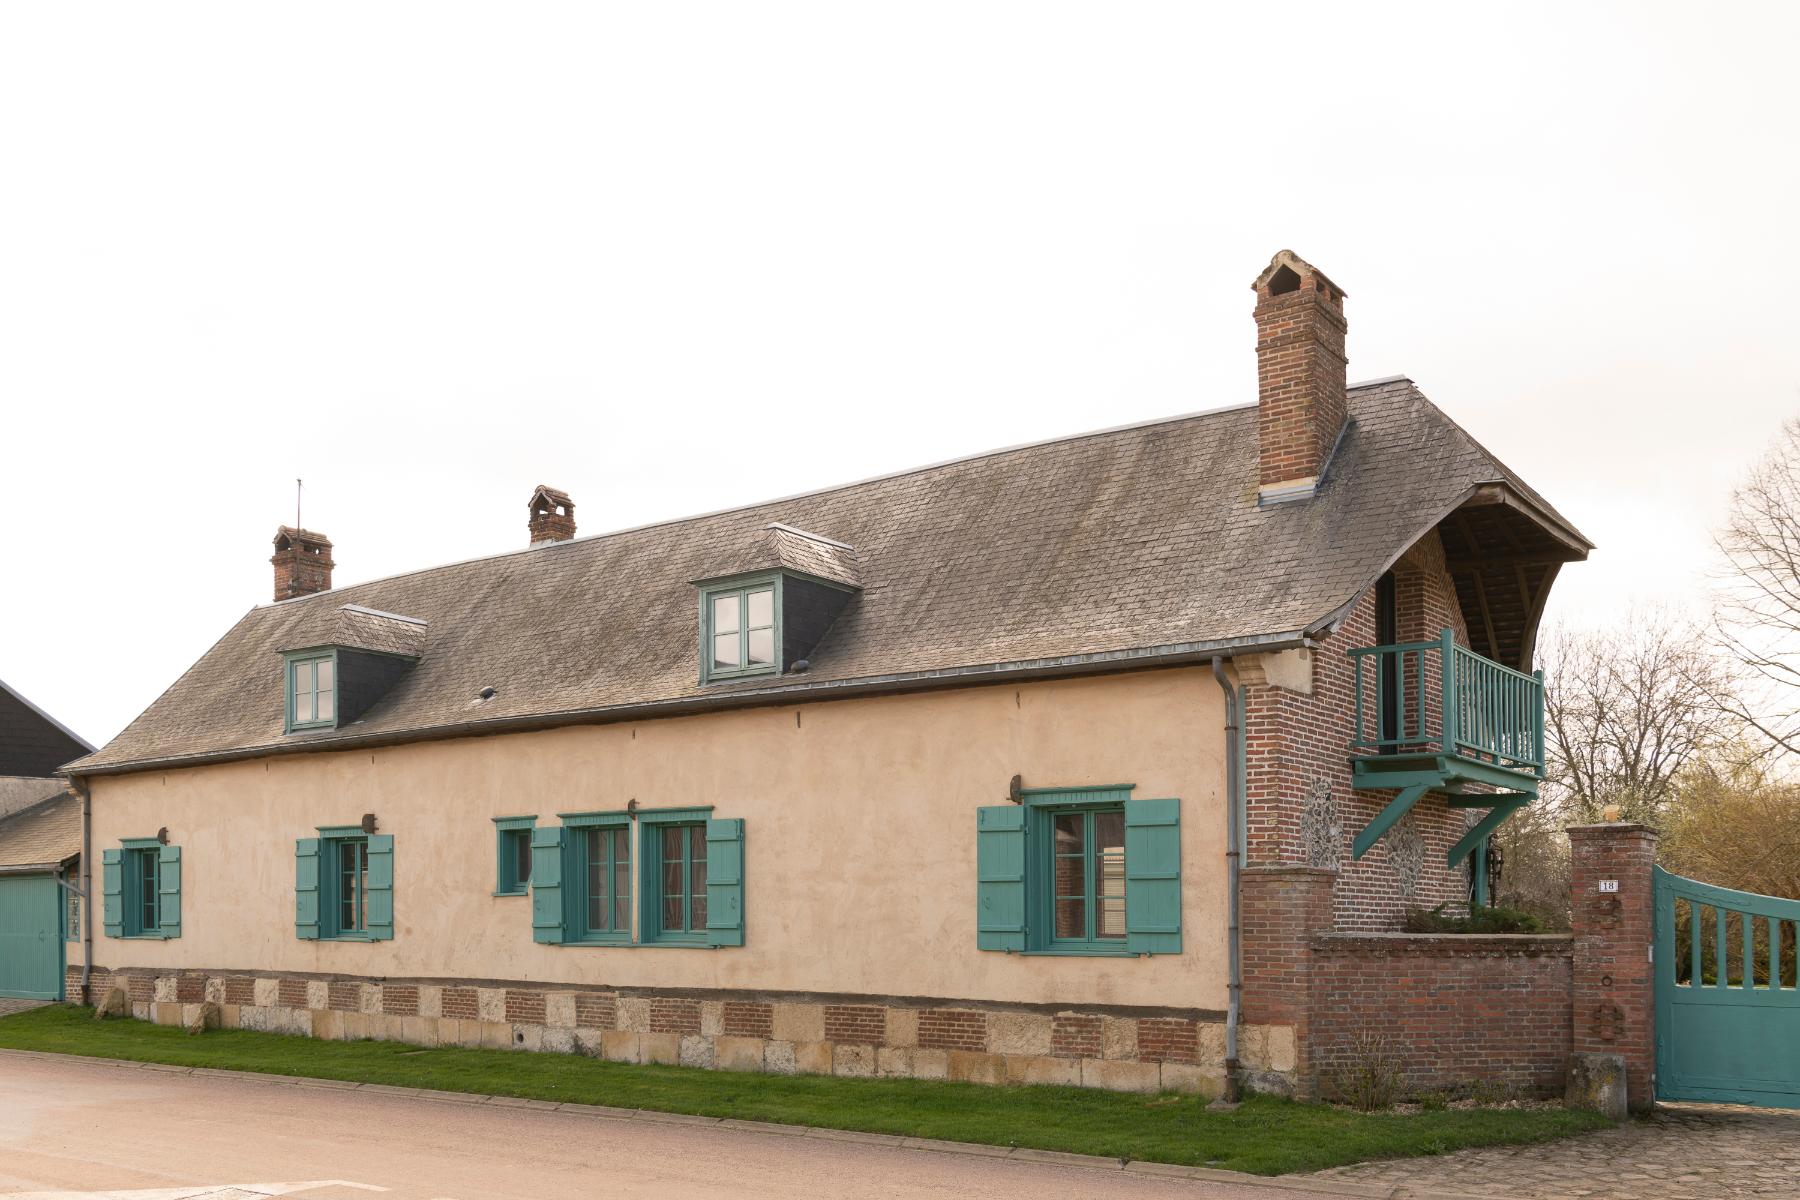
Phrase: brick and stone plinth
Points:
(1612, 912)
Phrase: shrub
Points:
(1371, 1076)
(1480, 920)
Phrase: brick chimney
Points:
(552, 516)
(302, 562)
(1300, 374)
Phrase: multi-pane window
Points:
(681, 887)
(142, 892)
(312, 692)
(348, 861)
(1088, 869)
(514, 861)
(605, 856)
(740, 630)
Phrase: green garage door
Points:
(31, 946)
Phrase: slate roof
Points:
(1128, 546)
(47, 834)
(32, 742)
(21, 791)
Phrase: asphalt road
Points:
(71, 1129)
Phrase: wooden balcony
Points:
(1438, 717)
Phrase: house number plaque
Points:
(1609, 885)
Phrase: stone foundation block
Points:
(431, 1000)
(166, 988)
(589, 1042)
(739, 1053)
(215, 989)
(634, 1014)
(167, 1012)
(556, 1040)
(370, 1000)
(490, 1004)
(1024, 1034)
(1118, 1037)
(696, 1051)
(1208, 1082)
(853, 1060)
(779, 1058)
(620, 1045)
(662, 1048)
(230, 1016)
(327, 1023)
(975, 1066)
(559, 1010)
(797, 1023)
(813, 1058)
(1042, 1069)
(419, 1031)
(495, 1035)
(450, 1033)
(143, 1010)
(902, 1026)
(358, 1025)
(528, 1037)
(1597, 1083)
(265, 992)
(1116, 1076)
(931, 1064)
(318, 993)
(1212, 1042)
(712, 1018)
(201, 1017)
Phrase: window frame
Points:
(1090, 942)
(331, 840)
(137, 851)
(292, 661)
(1043, 805)
(741, 586)
(650, 897)
(506, 830)
(577, 898)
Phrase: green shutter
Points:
(112, 887)
(1153, 876)
(168, 891)
(725, 882)
(378, 904)
(547, 921)
(1000, 877)
(306, 888)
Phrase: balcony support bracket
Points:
(1398, 807)
(1504, 805)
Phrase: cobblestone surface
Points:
(1683, 1152)
(9, 1007)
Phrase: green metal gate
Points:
(31, 944)
(1727, 995)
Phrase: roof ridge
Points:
(744, 508)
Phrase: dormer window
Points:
(312, 691)
(742, 631)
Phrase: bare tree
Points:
(1625, 710)
(1756, 620)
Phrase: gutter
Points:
(787, 692)
(80, 784)
(1234, 952)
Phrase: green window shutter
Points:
(112, 888)
(725, 882)
(1153, 876)
(168, 891)
(378, 903)
(1000, 877)
(306, 888)
(547, 918)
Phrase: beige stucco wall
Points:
(859, 841)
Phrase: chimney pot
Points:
(552, 516)
(302, 562)
(1301, 373)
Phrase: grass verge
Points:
(1266, 1136)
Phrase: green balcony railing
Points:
(1420, 697)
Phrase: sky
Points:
(675, 258)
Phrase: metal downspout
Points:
(1234, 969)
(87, 886)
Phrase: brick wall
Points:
(1451, 1010)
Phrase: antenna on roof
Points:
(297, 524)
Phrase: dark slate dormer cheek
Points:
(364, 677)
(808, 609)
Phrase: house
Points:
(945, 773)
(40, 848)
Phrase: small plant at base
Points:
(1371, 1076)
(1434, 1102)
